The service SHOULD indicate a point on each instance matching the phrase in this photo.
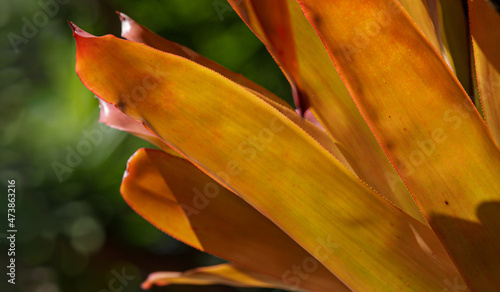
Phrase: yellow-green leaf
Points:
(181, 200)
(294, 44)
(426, 124)
(255, 151)
(133, 31)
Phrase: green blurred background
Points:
(75, 232)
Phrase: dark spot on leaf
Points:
(317, 20)
(389, 145)
(121, 106)
(446, 202)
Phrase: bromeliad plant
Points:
(397, 190)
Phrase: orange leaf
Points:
(219, 125)
(426, 124)
(292, 41)
(179, 199)
(133, 31)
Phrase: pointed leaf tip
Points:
(123, 17)
(126, 23)
(77, 31)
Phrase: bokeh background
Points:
(75, 232)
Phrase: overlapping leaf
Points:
(426, 124)
(254, 150)
(226, 274)
(131, 30)
(182, 201)
(114, 118)
(294, 44)
(420, 13)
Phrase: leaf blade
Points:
(452, 181)
(187, 117)
(134, 31)
(182, 201)
(296, 47)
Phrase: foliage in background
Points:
(74, 233)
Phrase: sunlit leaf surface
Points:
(216, 126)
(426, 124)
